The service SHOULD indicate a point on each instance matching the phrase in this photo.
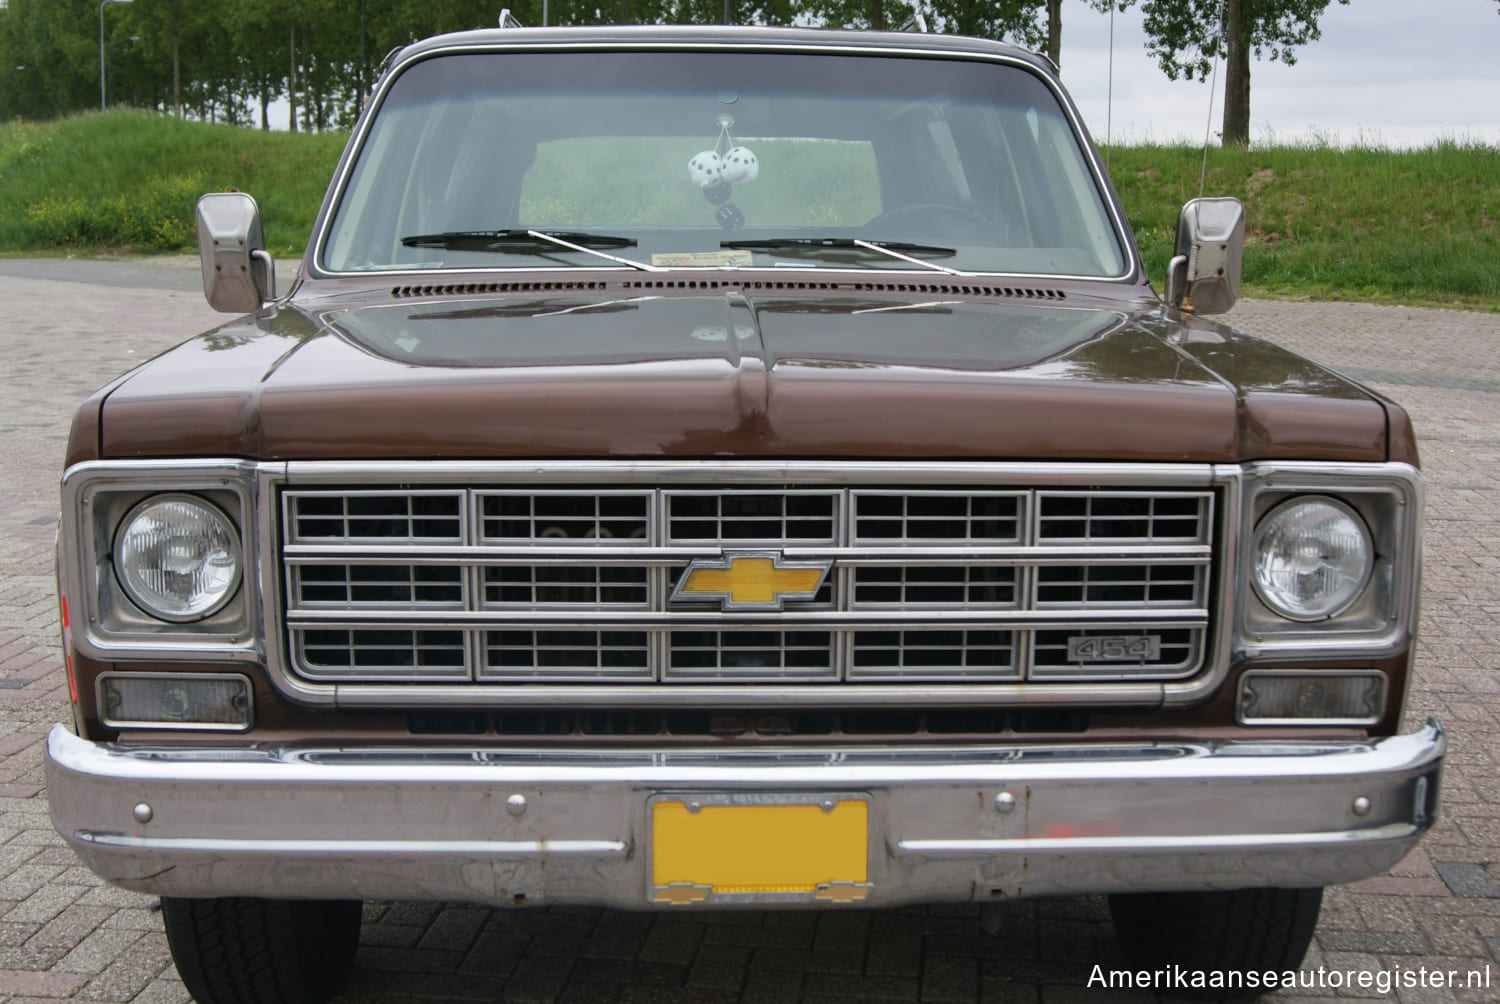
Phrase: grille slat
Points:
(493, 584)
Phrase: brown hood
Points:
(735, 374)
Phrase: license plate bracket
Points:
(720, 848)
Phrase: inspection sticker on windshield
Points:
(703, 259)
(1114, 648)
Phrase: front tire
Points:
(1243, 930)
(262, 951)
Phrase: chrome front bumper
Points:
(513, 827)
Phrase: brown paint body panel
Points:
(736, 373)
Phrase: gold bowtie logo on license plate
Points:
(750, 580)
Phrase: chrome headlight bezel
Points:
(107, 622)
(1380, 618)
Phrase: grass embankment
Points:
(1415, 226)
(126, 180)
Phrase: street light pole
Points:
(101, 48)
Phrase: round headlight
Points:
(178, 557)
(1313, 557)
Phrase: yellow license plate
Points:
(787, 850)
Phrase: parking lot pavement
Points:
(66, 328)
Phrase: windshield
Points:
(713, 159)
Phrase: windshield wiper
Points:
(900, 250)
(520, 241)
(510, 240)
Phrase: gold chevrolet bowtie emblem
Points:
(750, 580)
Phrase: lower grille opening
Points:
(534, 723)
(620, 723)
(749, 725)
(437, 723)
(950, 722)
(1051, 721)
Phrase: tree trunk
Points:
(265, 101)
(877, 15)
(1236, 74)
(307, 105)
(1054, 32)
(291, 81)
(176, 73)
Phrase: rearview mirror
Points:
(1204, 274)
(238, 274)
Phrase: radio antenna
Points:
(1213, 86)
(1109, 99)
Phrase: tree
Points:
(1014, 20)
(1054, 23)
(1186, 36)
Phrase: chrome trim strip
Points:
(742, 472)
(356, 847)
(1247, 842)
(594, 618)
(682, 696)
(722, 768)
(624, 553)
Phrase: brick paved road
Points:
(66, 327)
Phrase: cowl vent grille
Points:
(945, 289)
(728, 285)
(471, 288)
(734, 284)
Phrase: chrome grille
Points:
(709, 656)
(522, 586)
(933, 656)
(804, 517)
(380, 654)
(551, 655)
(515, 584)
(542, 516)
(884, 517)
(354, 516)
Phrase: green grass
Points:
(125, 180)
(1414, 226)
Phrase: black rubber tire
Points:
(262, 951)
(1244, 930)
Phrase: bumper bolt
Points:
(1005, 802)
(515, 804)
(1361, 806)
(142, 812)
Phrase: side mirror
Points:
(1204, 274)
(238, 274)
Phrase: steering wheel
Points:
(929, 217)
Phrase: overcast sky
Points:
(1385, 72)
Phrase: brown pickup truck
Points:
(702, 468)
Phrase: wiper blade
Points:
(900, 250)
(518, 241)
(529, 242)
